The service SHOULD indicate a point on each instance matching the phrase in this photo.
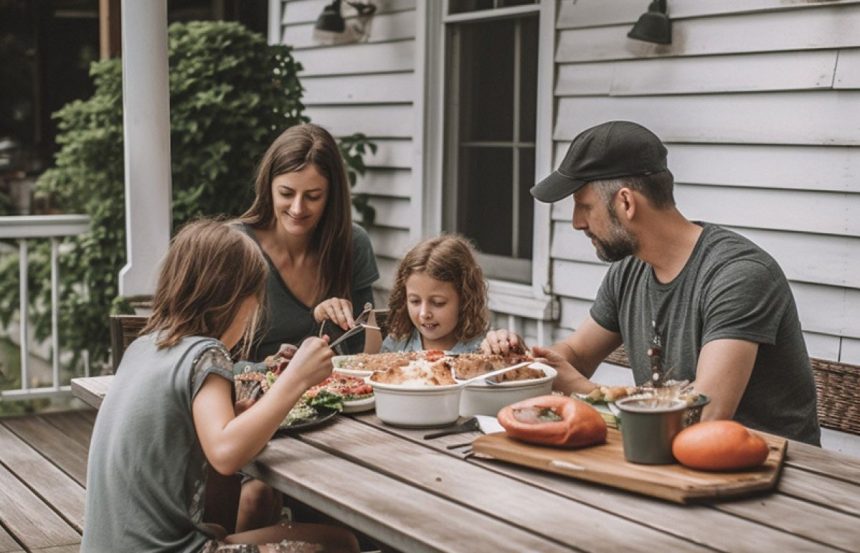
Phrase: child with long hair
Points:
(169, 414)
(439, 299)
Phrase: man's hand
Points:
(503, 341)
(569, 380)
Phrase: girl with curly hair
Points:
(439, 299)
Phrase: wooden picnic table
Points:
(420, 495)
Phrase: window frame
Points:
(531, 300)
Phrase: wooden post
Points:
(110, 40)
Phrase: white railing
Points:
(25, 228)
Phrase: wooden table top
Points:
(418, 495)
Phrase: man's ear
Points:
(626, 203)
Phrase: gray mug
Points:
(647, 431)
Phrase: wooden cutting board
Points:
(605, 464)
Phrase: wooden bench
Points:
(837, 386)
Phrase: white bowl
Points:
(417, 406)
(481, 398)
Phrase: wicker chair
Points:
(837, 386)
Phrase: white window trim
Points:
(533, 300)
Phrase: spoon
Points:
(492, 373)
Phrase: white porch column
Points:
(146, 121)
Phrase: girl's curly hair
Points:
(448, 258)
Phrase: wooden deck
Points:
(43, 470)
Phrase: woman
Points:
(321, 265)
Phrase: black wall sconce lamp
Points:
(654, 25)
(331, 27)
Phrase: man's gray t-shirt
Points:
(729, 289)
(146, 472)
(289, 321)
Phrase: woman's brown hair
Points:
(448, 258)
(295, 149)
(210, 269)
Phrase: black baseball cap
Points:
(607, 151)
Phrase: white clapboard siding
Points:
(392, 212)
(385, 182)
(390, 153)
(823, 27)
(307, 11)
(592, 13)
(848, 69)
(789, 210)
(803, 257)
(387, 269)
(389, 242)
(802, 211)
(382, 28)
(359, 89)
(822, 168)
(733, 73)
(850, 352)
(388, 120)
(770, 118)
(827, 309)
(822, 346)
(575, 279)
(356, 59)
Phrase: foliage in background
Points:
(231, 94)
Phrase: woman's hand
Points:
(503, 341)
(311, 363)
(336, 310)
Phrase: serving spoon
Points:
(490, 374)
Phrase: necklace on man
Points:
(655, 351)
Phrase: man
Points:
(688, 300)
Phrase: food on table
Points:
(378, 361)
(350, 388)
(606, 394)
(417, 372)
(248, 384)
(719, 445)
(470, 365)
(278, 362)
(554, 420)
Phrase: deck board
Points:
(66, 453)
(75, 425)
(52, 485)
(42, 472)
(29, 519)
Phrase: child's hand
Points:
(312, 361)
(337, 310)
(503, 341)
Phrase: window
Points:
(489, 137)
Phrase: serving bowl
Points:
(486, 398)
(417, 406)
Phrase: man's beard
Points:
(619, 244)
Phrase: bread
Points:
(719, 446)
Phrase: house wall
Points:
(369, 88)
(758, 104)
(757, 101)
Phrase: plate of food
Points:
(304, 416)
(356, 394)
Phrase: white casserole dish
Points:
(417, 406)
(481, 398)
